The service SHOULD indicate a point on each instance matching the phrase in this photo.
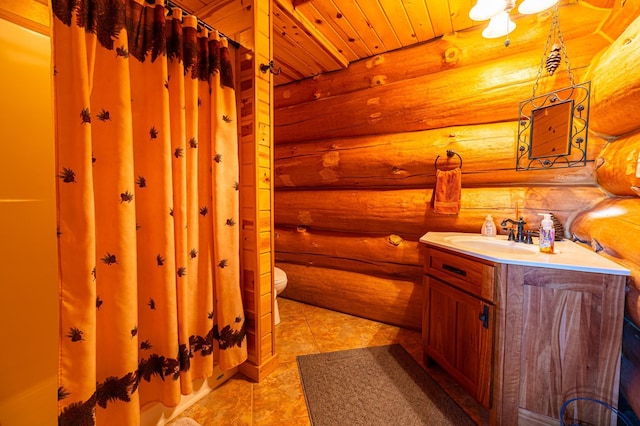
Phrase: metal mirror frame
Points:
(576, 155)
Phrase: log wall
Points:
(355, 152)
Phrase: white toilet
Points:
(280, 283)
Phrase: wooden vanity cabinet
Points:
(459, 320)
(552, 335)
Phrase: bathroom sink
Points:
(567, 254)
(491, 245)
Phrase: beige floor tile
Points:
(293, 335)
(229, 404)
(279, 397)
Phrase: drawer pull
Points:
(454, 270)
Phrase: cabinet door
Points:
(562, 340)
(458, 334)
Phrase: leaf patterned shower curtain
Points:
(147, 197)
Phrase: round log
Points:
(487, 96)
(408, 160)
(407, 212)
(394, 302)
(618, 165)
(612, 226)
(615, 85)
(389, 256)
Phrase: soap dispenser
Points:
(488, 227)
(547, 233)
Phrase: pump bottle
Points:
(488, 227)
(547, 234)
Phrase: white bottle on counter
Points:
(547, 233)
(488, 227)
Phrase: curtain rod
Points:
(169, 4)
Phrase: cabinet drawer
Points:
(472, 276)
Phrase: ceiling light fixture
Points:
(486, 9)
(498, 14)
(499, 25)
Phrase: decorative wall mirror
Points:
(553, 128)
(552, 131)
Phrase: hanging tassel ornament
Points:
(553, 61)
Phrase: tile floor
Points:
(278, 399)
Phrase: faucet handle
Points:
(511, 236)
(529, 239)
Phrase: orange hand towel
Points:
(446, 193)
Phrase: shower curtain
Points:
(147, 199)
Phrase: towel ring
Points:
(450, 153)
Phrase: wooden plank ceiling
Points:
(311, 37)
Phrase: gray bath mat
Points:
(380, 385)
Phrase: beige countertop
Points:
(567, 254)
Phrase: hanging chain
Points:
(554, 33)
(556, 23)
(543, 60)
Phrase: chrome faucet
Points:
(520, 234)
